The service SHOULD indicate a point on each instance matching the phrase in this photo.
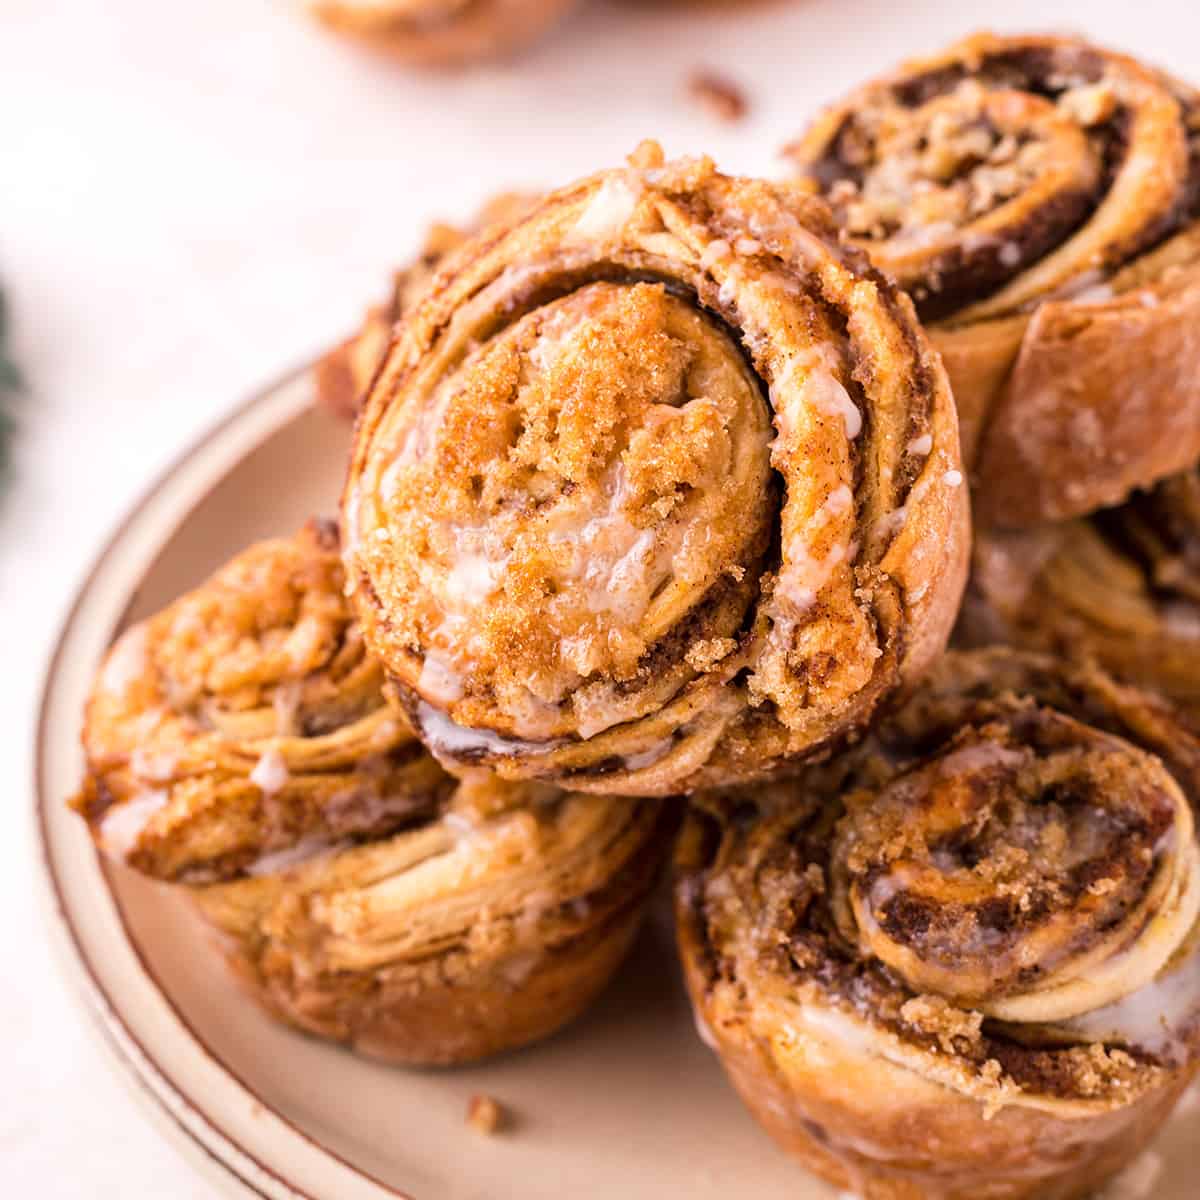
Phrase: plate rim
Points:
(215, 1152)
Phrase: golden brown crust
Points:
(479, 931)
(246, 720)
(963, 958)
(565, 529)
(942, 1150)
(441, 32)
(343, 375)
(1038, 197)
(1121, 587)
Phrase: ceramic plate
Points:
(628, 1102)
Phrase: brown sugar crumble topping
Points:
(957, 1031)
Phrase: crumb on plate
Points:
(717, 93)
(484, 1114)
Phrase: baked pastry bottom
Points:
(424, 951)
(879, 1136)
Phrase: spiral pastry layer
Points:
(964, 958)
(483, 928)
(658, 485)
(441, 32)
(1038, 198)
(344, 374)
(246, 723)
(1121, 587)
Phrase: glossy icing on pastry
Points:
(659, 484)
(1038, 196)
(964, 958)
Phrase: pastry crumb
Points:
(485, 1114)
(707, 652)
(956, 1030)
(718, 94)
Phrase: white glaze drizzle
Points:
(126, 662)
(305, 850)
(123, 825)
(270, 773)
(609, 210)
(152, 766)
(1154, 1017)
(446, 737)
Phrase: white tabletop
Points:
(194, 197)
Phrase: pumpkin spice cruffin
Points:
(1039, 198)
(964, 959)
(659, 484)
(239, 744)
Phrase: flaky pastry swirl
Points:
(964, 958)
(441, 32)
(1038, 196)
(246, 720)
(658, 484)
(485, 927)
(1121, 587)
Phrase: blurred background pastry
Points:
(441, 32)
(660, 484)
(1038, 196)
(963, 959)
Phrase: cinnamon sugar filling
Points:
(593, 476)
(720, 614)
